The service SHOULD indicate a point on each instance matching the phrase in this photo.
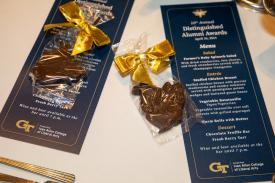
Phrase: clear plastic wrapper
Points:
(165, 105)
(96, 13)
(57, 75)
(165, 109)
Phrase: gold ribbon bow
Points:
(88, 34)
(137, 64)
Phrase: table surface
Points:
(118, 147)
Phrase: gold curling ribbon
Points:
(136, 64)
(88, 34)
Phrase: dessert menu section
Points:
(235, 140)
(29, 118)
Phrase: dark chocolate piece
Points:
(57, 67)
(136, 90)
(164, 106)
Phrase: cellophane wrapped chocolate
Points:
(165, 108)
(57, 76)
(165, 105)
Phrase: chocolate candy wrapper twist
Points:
(58, 75)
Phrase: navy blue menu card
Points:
(235, 140)
(33, 120)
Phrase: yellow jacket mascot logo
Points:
(23, 124)
(218, 167)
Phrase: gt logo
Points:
(218, 167)
(23, 124)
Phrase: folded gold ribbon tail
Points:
(136, 64)
(88, 35)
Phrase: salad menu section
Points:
(235, 140)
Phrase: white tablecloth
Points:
(118, 147)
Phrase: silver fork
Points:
(46, 172)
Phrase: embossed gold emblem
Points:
(23, 124)
(199, 13)
(217, 167)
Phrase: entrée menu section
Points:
(219, 94)
(234, 143)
